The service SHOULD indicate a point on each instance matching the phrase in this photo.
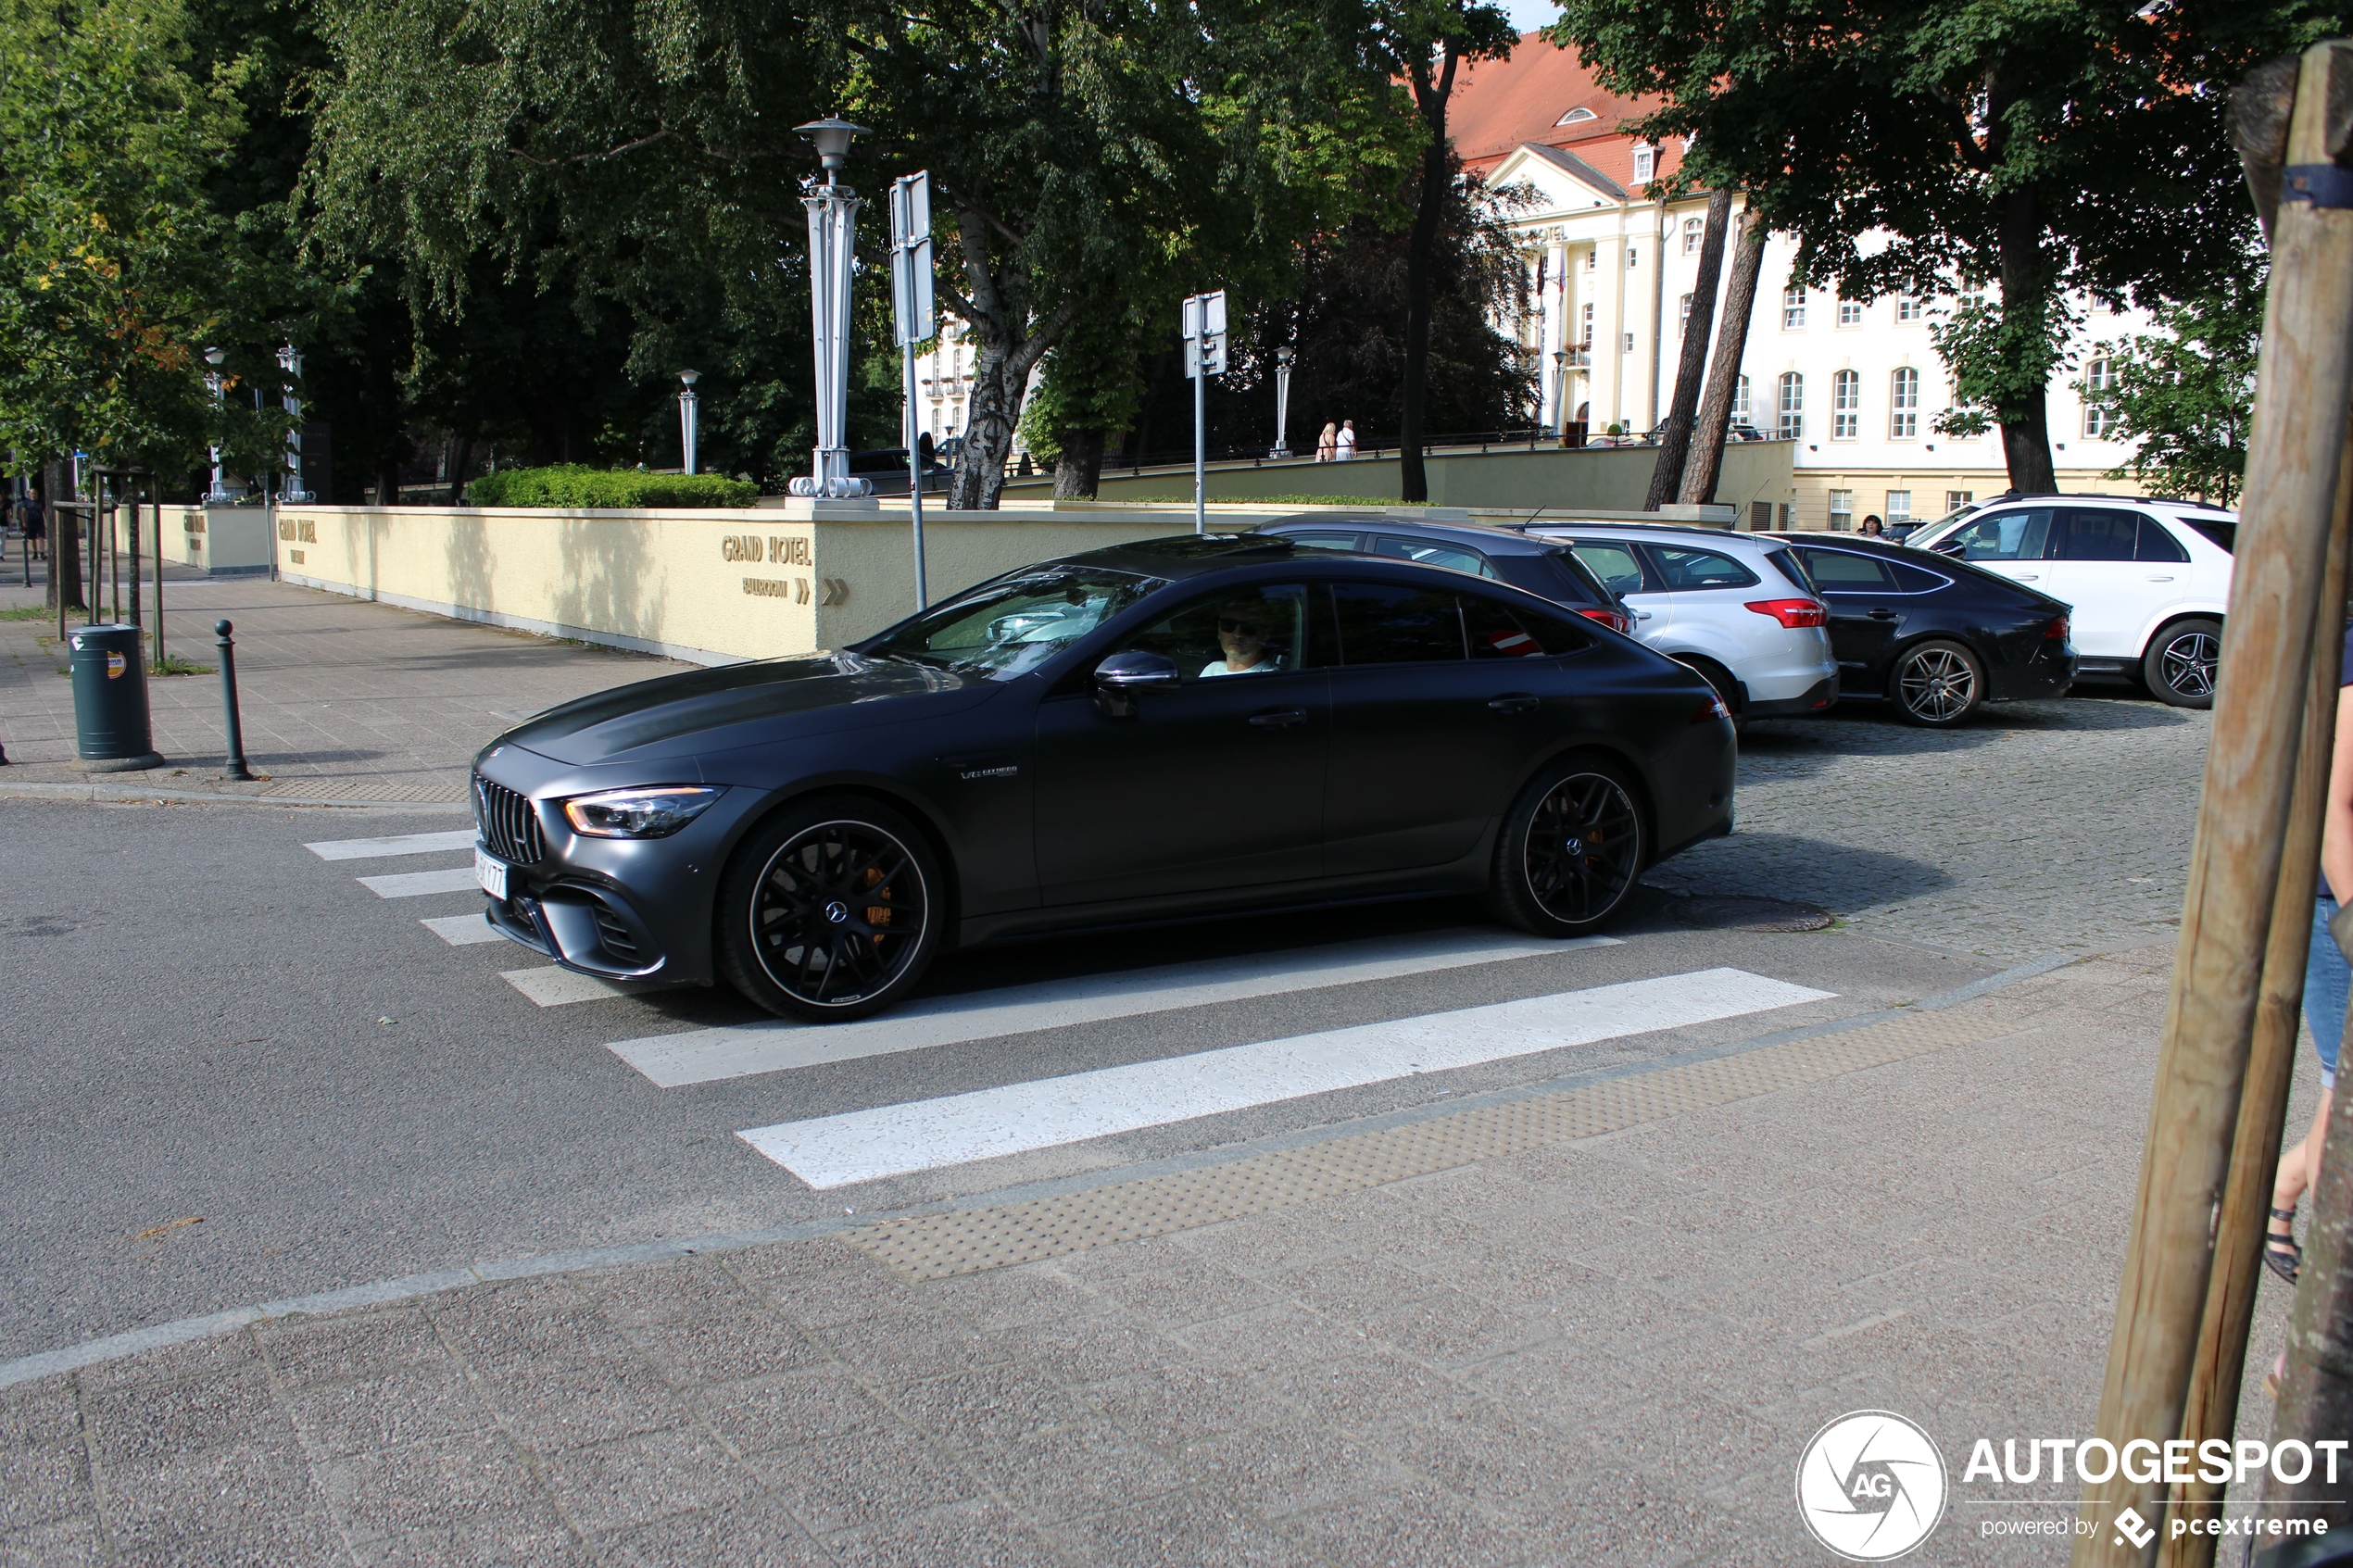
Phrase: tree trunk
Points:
(461, 459)
(1707, 462)
(65, 538)
(1675, 441)
(2026, 297)
(1078, 472)
(989, 417)
(388, 480)
(1421, 259)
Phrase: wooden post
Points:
(1706, 460)
(2302, 400)
(2215, 1374)
(2316, 1398)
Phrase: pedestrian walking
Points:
(1328, 443)
(35, 526)
(1345, 450)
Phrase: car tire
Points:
(2183, 661)
(1936, 684)
(1728, 690)
(1572, 847)
(831, 911)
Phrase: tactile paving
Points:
(925, 1246)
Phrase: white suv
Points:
(1738, 608)
(2148, 580)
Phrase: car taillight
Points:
(1617, 621)
(1793, 612)
(2056, 632)
(1712, 708)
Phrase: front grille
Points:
(509, 825)
(616, 936)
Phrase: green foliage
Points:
(2186, 394)
(571, 484)
(2001, 357)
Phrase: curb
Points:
(118, 795)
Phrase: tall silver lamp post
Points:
(1204, 321)
(1560, 392)
(1283, 358)
(688, 408)
(917, 322)
(219, 494)
(833, 235)
(296, 491)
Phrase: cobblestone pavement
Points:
(2044, 826)
(339, 699)
(1605, 1352)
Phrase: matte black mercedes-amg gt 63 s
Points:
(1148, 732)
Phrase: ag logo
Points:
(1870, 1486)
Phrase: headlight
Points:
(655, 811)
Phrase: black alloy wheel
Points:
(2181, 664)
(1570, 850)
(831, 912)
(1937, 684)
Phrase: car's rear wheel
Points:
(1570, 850)
(1728, 690)
(1936, 684)
(2183, 661)
(831, 910)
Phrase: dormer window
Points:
(1576, 117)
(1645, 163)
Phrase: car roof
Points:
(1187, 555)
(2096, 497)
(1495, 541)
(1861, 543)
(1670, 531)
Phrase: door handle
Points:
(1642, 614)
(1281, 719)
(2027, 577)
(1517, 702)
(1883, 615)
(2167, 578)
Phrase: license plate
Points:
(492, 875)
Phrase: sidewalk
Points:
(341, 700)
(1592, 1325)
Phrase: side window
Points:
(1911, 579)
(1687, 570)
(1501, 630)
(1326, 541)
(1835, 571)
(1429, 554)
(1255, 631)
(2097, 534)
(1618, 566)
(2154, 544)
(2014, 535)
(1381, 623)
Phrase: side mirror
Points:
(1120, 677)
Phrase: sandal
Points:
(2281, 1254)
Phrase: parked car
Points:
(1547, 570)
(2147, 579)
(1055, 750)
(1734, 607)
(1933, 637)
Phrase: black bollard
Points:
(236, 770)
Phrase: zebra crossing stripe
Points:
(411, 884)
(398, 844)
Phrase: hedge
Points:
(573, 484)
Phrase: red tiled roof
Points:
(1497, 105)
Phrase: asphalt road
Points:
(234, 1073)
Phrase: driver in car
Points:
(1242, 632)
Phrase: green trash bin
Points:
(111, 730)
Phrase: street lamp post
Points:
(1283, 358)
(688, 408)
(219, 495)
(1560, 392)
(290, 361)
(833, 225)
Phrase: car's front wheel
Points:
(831, 911)
(1937, 684)
(2182, 663)
(1570, 850)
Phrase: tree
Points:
(2185, 395)
(1675, 441)
(1705, 464)
(2050, 149)
(1426, 41)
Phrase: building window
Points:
(1633, 258)
(1792, 423)
(1904, 404)
(1645, 163)
(1692, 228)
(1576, 117)
(1792, 306)
(1740, 402)
(1907, 308)
(1847, 406)
(1899, 507)
(1683, 315)
(1629, 343)
(1972, 297)
(1841, 510)
(1956, 500)
(1585, 328)
(1850, 312)
(2099, 385)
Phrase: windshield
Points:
(1011, 626)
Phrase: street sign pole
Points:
(911, 294)
(1205, 358)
